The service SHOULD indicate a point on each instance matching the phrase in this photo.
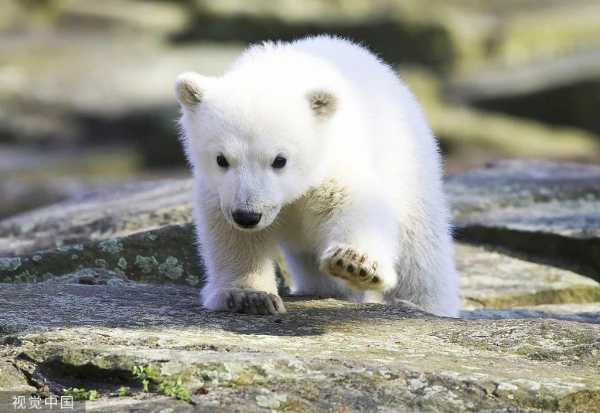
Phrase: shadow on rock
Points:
(120, 303)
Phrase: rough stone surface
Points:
(529, 343)
(585, 313)
(323, 355)
(143, 231)
(34, 178)
(562, 91)
(547, 211)
(493, 279)
(99, 215)
(165, 254)
(470, 137)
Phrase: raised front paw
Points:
(241, 300)
(350, 264)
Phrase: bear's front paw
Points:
(240, 300)
(356, 268)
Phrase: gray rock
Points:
(85, 323)
(584, 313)
(492, 279)
(135, 104)
(165, 254)
(560, 91)
(11, 379)
(547, 211)
(322, 355)
(140, 230)
(143, 230)
(531, 77)
(99, 215)
(34, 178)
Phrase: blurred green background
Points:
(86, 86)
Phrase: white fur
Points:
(368, 175)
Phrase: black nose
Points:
(246, 219)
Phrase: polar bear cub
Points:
(315, 148)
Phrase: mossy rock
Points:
(322, 355)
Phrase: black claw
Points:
(362, 272)
(375, 280)
(231, 302)
(246, 302)
(350, 268)
(340, 263)
(260, 305)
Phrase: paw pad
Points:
(354, 267)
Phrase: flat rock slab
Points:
(584, 313)
(143, 232)
(529, 78)
(492, 279)
(548, 211)
(99, 215)
(165, 254)
(322, 355)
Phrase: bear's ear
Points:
(322, 103)
(190, 88)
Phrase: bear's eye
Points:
(279, 162)
(222, 161)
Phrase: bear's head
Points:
(256, 146)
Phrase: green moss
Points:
(10, 264)
(150, 380)
(81, 393)
(146, 375)
(123, 391)
(122, 263)
(169, 257)
(111, 246)
(146, 264)
(171, 268)
(175, 390)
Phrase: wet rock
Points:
(492, 279)
(323, 354)
(543, 210)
